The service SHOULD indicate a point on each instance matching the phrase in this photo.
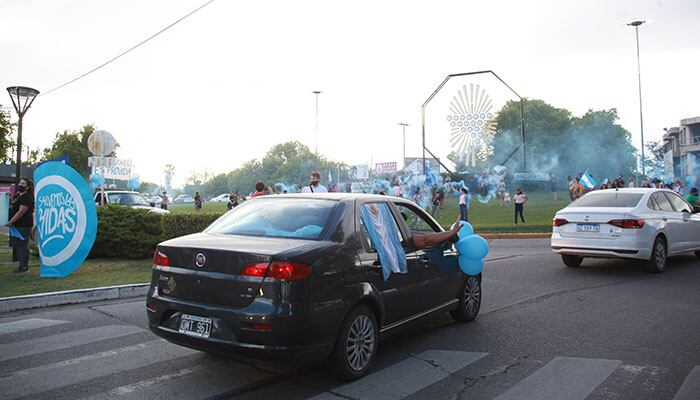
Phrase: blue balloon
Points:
(470, 267)
(466, 230)
(473, 247)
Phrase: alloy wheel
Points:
(472, 295)
(360, 343)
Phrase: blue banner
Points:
(384, 234)
(66, 219)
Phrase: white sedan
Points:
(644, 224)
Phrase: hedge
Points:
(125, 232)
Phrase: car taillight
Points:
(282, 270)
(559, 222)
(160, 259)
(627, 223)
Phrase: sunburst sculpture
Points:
(471, 121)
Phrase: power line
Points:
(130, 49)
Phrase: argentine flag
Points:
(587, 180)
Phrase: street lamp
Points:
(22, 98)
(316, 92)
(404, 125)
(636, 24)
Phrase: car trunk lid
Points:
(205, 268)
(592, 222)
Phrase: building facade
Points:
(682, 149)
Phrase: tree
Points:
(169, 171)
(654, 158)
(562, 144)
(74, 145)
(6, 142)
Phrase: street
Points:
(606, 330)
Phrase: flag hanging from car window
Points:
(385, 237)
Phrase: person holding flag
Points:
(587, 180)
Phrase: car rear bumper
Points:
(631, 247)
(294, 336)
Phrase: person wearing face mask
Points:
(22, 219)
(314, 185)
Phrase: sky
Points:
(224, 85)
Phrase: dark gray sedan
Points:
(298, 276)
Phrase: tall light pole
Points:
(404, 125)
(22, 98)
(636, 24)
(316, 92)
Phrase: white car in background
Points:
(636, 223)
(127, 198)
(222, 198)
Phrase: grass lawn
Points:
(93, 273)
(486, 218)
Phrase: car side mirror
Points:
(696, 209)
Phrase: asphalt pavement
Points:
(606, 330)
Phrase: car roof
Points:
(334, 196)
(631, 190)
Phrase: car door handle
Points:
(377, 263)
(425, 261)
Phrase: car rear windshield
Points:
(276, 217)
(610, 198)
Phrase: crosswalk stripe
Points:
(202, 381)
(69, 372)
(27, 324)
(405, 377)
(690, 390)
(563, 378)
(66, 340)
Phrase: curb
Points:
(29, 301)
(515, 235)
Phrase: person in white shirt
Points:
(520, 199)
(314, 185)
(464, 204)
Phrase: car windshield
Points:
(127, 199)
(275, 217)
(611, 198)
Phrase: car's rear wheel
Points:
(659, 256)
(356, 345)
(571, 261)
(469, 300)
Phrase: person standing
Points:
(553, 186)
(692, 197)
(232, 202)
(520, 199)
(197, 201)
(164, 201)
(314, 185)
(417, 196)
(570, 184)
(259, 189)
(21, 223)
(464, 201)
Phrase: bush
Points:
(125, 232)
(175, 225)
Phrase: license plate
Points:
(193, 325)
(587, 227)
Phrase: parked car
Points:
(183, 199)
(297, 276)
(127, 198)
(644, 224)
(222, 198)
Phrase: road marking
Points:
(563, 378)
(690, 390)
(406, 377)
(203, 381)
(66, 340)
(69, 372)
(27, 324)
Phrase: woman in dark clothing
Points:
(22, 219)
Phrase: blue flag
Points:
(15, 233)
(587, 180)
(383, 232)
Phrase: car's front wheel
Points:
(659, 256)
(356, 345)
(469, 300)
(571, 261)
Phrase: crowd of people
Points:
(686, 189)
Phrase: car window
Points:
(415, 221)
(662, 201)
(608, 198)
(276, 217)
(368, 241)
(678, 203)
(651, 203)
